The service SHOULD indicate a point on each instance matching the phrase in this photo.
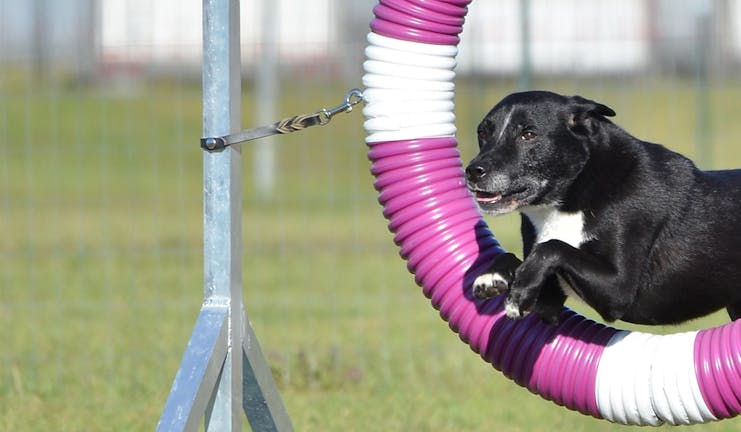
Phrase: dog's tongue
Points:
(487, 197)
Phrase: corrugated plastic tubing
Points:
(447, 244)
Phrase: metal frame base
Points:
(223, 372)
(198, 379)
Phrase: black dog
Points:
(633, 229)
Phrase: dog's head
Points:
(532, 145)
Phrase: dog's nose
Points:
(475, 172)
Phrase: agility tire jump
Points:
(624, 377)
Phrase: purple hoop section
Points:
(447, 244)
(429, 21)
(718, 368)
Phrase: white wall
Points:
(142, 31)
(566, 35)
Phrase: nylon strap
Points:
(285, 126)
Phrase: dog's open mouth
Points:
(487, 197)
(499, 202)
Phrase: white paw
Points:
(512, 310)
(488, 285)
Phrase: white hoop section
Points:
(624, 377)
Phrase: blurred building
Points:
(110, 37)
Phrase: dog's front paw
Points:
(497, 278)
(489, 285)
(513, 310)
(521, 299)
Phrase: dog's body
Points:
(631, 228)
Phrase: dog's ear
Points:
(586, 114)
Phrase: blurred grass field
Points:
(101, 272)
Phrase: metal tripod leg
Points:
(223, 371)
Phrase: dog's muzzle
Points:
(475, 173)
(481, 178)
(494, 192)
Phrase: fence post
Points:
(223, 372)
(222, 200)
(526, 63)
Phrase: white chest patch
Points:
(552, 224)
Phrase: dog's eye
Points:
(527, 136)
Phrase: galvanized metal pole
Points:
(223, 372)
(222, 195)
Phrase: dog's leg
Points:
(550, 301)
(601, 285)
(734, 311)
(498, 278)
(548, 305)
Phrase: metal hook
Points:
(352, 98)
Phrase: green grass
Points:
(101, 272)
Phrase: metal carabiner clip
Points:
(352, 98)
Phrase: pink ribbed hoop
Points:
(447, 244)
(420, 9)
(718, 368)
(431, 22)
